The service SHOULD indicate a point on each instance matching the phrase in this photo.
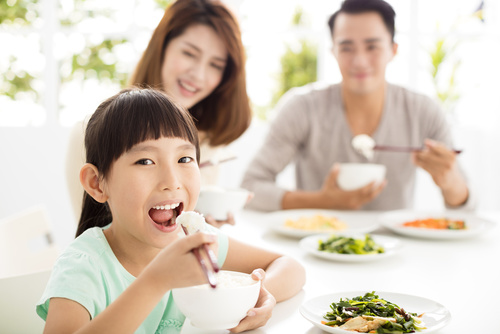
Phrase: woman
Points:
(196, 56)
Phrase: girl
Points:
(196, 56)
(142, 163)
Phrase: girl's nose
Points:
(169, 180)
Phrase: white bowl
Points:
(353, 176)
(220, 308)
(217, 201)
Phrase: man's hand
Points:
(440, 162)
(336, 198)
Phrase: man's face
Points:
(363, 47)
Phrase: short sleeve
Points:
(77, 278)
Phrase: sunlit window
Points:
(61, 58)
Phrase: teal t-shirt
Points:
(89, 273)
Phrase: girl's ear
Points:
(89, 178)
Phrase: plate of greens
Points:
(348, 247)
(386, 312)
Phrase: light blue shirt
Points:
(89, 273)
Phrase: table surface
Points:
(463, 275)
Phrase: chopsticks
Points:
(403, 149)
(209, 273)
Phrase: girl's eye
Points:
(185, 160)
(145, 162)
(189, 54)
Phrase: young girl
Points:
(142, 164)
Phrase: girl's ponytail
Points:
(94, 214)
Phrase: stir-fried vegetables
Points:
(386, 317)
(347, 245)
(437, 223)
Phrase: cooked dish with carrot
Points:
(371, 314)
(316, 223)
(437, 224)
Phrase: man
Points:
(315, 126)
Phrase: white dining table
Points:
(463, 275)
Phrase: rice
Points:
(192, 221)
(227, 279)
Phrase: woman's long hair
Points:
(122, 121)
(225, 114)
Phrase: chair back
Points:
(18, 298)
(26, 243)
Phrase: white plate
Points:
(390, 244)
(356, 221)
(435, 317)
(393, 220)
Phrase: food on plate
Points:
(371, 314)
(316, 223)
(437, 224)
(349, 245)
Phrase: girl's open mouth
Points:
(162, 215)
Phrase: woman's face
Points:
(193, 65)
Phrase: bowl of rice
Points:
(220, 308)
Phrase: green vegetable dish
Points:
(347, 245)
(371, 314)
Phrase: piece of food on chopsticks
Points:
(437, 224)
(316, 223)
(193, 222)
(371, 314)
(348, 245)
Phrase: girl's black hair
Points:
(128, 118)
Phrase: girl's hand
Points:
(260, 314)
(176, 266)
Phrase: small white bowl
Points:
(353, 176)
(220, 308)
(217, 201)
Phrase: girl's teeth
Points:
(166, 207)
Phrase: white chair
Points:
(26, 243)
(18, 298)
(27, 254)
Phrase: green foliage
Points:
(445, 83)
(90, 63)
(298, 65)
(163, 3)
(18, 11)
(297, 68)
(16, 81)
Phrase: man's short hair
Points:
(362, 6)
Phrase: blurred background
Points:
(60, 59)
